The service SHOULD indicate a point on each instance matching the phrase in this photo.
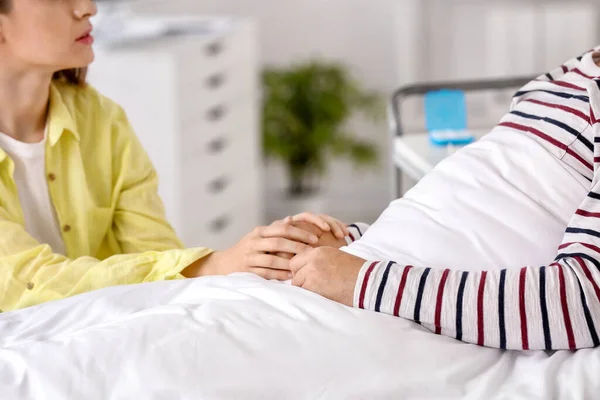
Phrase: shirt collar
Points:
(60, 119)
(60, 115)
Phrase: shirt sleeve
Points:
(30, 273)
(140, 223)
(356, 231)
(550, 307)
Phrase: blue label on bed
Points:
(446, 115)
(457, 138)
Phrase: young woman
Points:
(79, 208)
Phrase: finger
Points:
(289, 232)
(287, 256)
(343, 226)
(279, 245)
(335, 226)
(337, 231)
(288, 220)
(268, 261)
(299, 278)
(313, 219)
(300, 261)
(310, 228)
(272, 274)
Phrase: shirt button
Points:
(51, 177)
(30, 286)
(67, 228)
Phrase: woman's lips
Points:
(86, 39)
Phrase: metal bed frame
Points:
(394, 112)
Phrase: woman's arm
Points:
(30, 273)
(139, 221)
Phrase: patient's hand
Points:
(327, 239)
(329, 272)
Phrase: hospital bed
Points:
(242, 337)
(413, 156)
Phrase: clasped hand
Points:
(267, 250)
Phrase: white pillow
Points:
(502, 202)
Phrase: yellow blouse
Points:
(104, 190)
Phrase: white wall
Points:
(470, 39)
(392, 42)
(361, 34)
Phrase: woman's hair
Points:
(75, 76)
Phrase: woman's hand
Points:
(258, 253)
(330, 231)
(324, 222)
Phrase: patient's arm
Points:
(556, 306)
(550, 307)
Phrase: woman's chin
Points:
(82, 60)
(87, 60)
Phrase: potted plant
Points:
(305, 113)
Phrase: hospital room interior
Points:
(211, 103)
(451, 143)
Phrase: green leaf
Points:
(305, 108)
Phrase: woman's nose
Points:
(85, 9)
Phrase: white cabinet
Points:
(193, 101)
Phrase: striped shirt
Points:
(550, 307)
(356, 231)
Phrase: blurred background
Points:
(252, 110)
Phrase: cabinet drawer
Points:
(214, 145)
(224, 228)
(213, 190)
(210, 54)
(201, 92)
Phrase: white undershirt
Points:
(41, 221)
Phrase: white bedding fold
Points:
(241, 337)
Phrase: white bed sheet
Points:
(241, 337)
(245, 338)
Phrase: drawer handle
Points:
(218, 185)
(216, 113)
(215, 81)
(214, 49)
(217, 145)
(219, 224)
